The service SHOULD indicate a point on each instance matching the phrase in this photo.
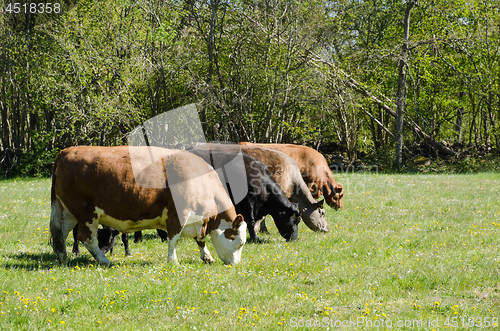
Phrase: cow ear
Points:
(339, 188)
(314, 189)
(237, 222)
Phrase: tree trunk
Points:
(459, 125)
(401, 95)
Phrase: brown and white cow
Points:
(314, 170)
(127, 188)
(285, 171)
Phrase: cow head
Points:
(314, 217)
(228, 239)
(288, 224)
(334, 197)
(106, 238)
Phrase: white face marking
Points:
(229, 251)
(127, 226)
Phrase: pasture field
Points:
(406, 248)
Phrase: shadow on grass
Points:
(33, 262)
(261, 241)
(29, 261)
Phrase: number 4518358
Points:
(33, 8)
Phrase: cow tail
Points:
(53, 189)
(53, 195)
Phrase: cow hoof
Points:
(209, 260)
(255, 240)
(128, 253)
(174, 261)
(62, 258)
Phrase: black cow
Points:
(106, 238)
(161, 233)
(264, 197)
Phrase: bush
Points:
(38, 162)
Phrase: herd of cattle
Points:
(128, 189)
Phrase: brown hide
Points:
(314, 170)
(89, 177)
(285, 171)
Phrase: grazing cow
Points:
(285, 171)
(106, 238)
(314, 170)
(128, 188)
(264, 196)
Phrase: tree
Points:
(401, 94)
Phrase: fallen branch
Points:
(387, 105)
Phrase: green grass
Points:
(406, 247)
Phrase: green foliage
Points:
(39, 161)
(477, 164)
(279, 71)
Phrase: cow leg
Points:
(76, 246)
(162, 234)
(204, 252)
(263, 227)
(247, 210)
(251, 224)
(87, 233)
(125, 244)
(61, 223)
(96, 252)
(252, 230)
(137, 236)
(172, 243)
(255, 228)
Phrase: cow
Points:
(264, 197)
(137, 188)
(285, 171)
(314, 170)
(106, 238)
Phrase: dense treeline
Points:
(268, 71)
